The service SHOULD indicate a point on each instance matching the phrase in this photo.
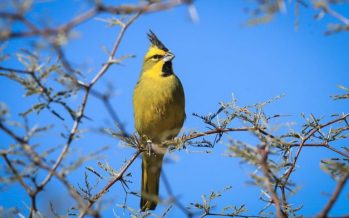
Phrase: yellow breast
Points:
(158, 104)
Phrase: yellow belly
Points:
(159, 108)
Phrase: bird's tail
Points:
(151, 169)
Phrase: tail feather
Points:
(151, 170)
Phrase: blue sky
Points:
(216, 58)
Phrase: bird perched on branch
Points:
(158, 103)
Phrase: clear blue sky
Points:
(215, 58)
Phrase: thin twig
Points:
(335, 14)
(308, 136)
(15, 70)
(105, 98)
(16, 174)
(231, 215)
(334, 196)
(119, 176)
(81, 111)
(325, 145)
(115, 47)
(33, 208)
(81, 18)
(263, 162)
(38, 161)
(71, 136)
(172, 198)
(195, 135)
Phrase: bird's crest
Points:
(155, 41)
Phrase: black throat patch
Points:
(167, 69)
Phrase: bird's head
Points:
(158, 60)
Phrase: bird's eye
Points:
(156, 57)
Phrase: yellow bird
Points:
(159, 114)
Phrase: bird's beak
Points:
(168, 57)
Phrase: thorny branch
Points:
(191, 136)
(99, 8)
(35, 157)
(18, 177)
(230, 215)
(85, 98)
(268, 180)
(263, 151)
(334, 197)
(105, 98)
(47, 33)
(51, 35)
(271, 182)
(172, 197)
(119, 176)
(306, 138)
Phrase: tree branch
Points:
(325, 145)
(264, 164)
(333, 199)
(99, 8)
(308, 136)
(115, 47)
(16, 174)
(81, 111)
(119, 176)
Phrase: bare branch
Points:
(80, 114)
(115, 47)
(119, 176)
(334, 196)
(173, 198)
(264, 157)
(99, 8)
(325, 145)
(105, 98)
(308, 136)
(16, 174)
